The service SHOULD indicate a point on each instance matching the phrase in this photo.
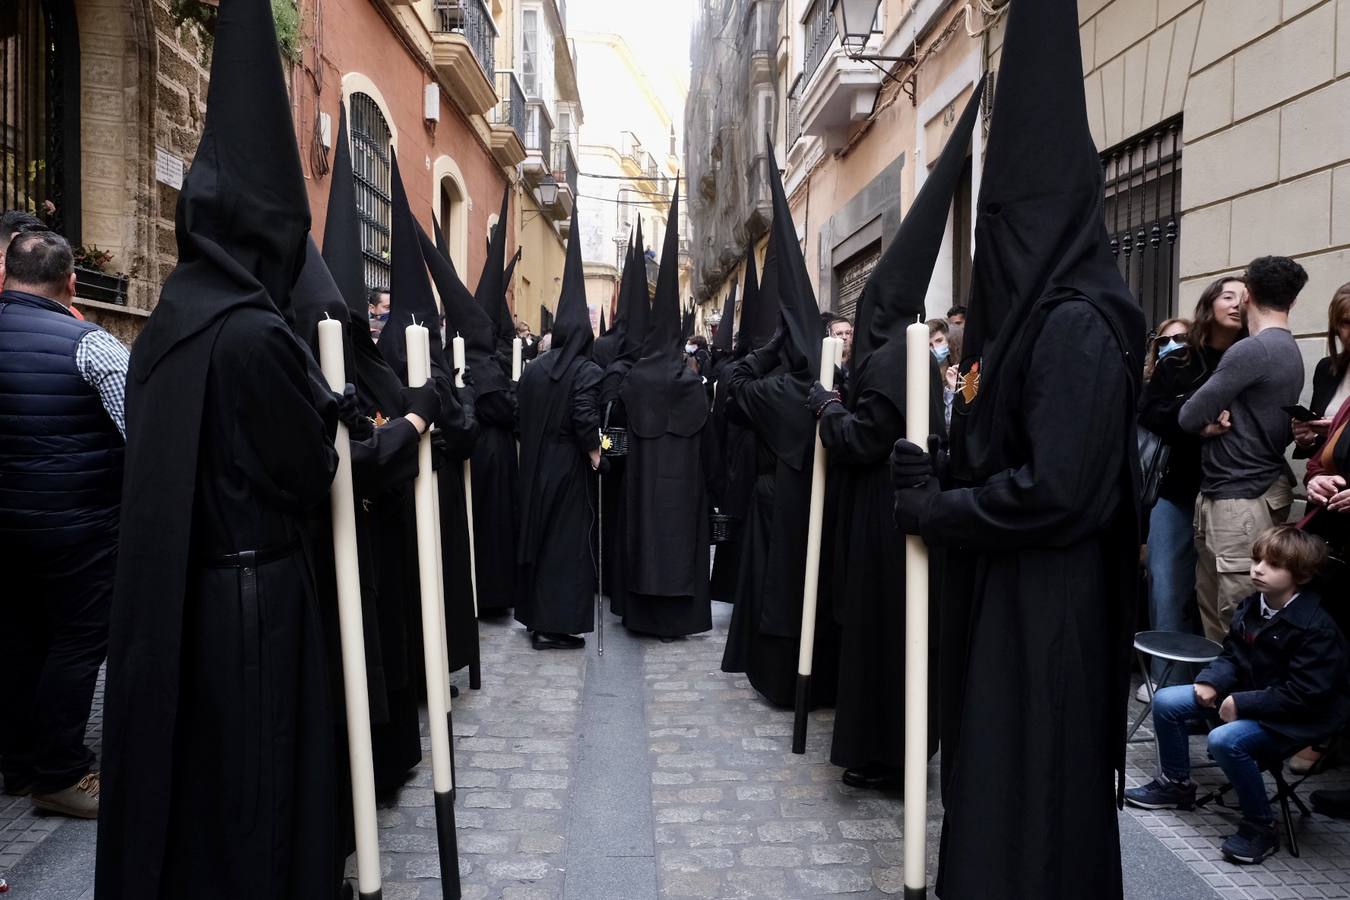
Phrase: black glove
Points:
(603, 468)
(422, 401)
(349, 413)
(440, 450)
(915, 485)
(819, 397)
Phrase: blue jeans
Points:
(1171, 570)
(1235, 746)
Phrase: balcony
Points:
(835, 91)
(565, 173)
(538, 142)
(762, 40)
(630, 152)
(508, 120)
(463, 38)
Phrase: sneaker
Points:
(1162, 793)
(1253, 842)
(79, 800)
(1141, 692)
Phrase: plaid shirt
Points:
(102, 361)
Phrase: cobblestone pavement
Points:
(648, 772)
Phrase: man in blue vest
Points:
(62, 425)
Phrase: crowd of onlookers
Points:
(1225, 558)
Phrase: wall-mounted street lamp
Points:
(548, 192)
(854, 20)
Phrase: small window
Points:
(529, 55)
(371, 154)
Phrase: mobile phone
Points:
(1302, 413)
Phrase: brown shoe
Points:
(79, 800)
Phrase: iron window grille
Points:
(371, 154)
(1143, 184)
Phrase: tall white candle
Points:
(517, 355)
(457, 349)
(428, 563)
(918, 393)
(351, 628)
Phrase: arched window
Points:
(371, 149)
(450, 212)
(39, 112)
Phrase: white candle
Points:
(517, 351)
(918, 394)
(457, 349)
(351, 628)
(829, 356)
(428, 565)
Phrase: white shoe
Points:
(1141, 694)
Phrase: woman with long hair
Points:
(1175, 376)
(1331, 379)
(1169, 337)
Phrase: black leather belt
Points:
(250, 558)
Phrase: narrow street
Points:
(650, 773)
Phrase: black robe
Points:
(765, 629)
(1033, 625)
(731, 491)
(496, 500)
(560, 423)
(220, 756)
(459, 428)
(666, 541)
(614, 497)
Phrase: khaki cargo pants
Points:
(1225, 531)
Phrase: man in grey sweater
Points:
(1247, 486)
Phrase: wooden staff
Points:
(917, 399)
(475, 668)
(433, 627)
(352, 631)
(829, 353)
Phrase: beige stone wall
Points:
(1264, 89)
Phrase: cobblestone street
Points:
(650, 773)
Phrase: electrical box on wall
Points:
(432, 103)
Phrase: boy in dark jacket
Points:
(1280, 684)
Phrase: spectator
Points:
(13, 222)
(951, 370)
(957, 316)
(62, 441)
(1170, 337)
(1246, 484)
(1331, 378)
(379, 312)
(529, 344)
(1176, 373)
(839, 327)
(1279, 684)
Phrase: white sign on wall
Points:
(168, 169)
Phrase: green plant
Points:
(91, 257)
(202, 16)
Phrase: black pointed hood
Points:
(636, 304)
(759, 307)
(610, 342)
(491, 290)
(1040, 234)
(463, 316)
(663, 336)
(894, 296)
(314, 298)
(797, 301)
(572, 334)
(410, 297)
(726, 326)
(604, 329)
(243, 214)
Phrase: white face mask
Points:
(690, 348)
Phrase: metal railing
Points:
(510, 110)
(471, 19)
(565, 164)
(819, 37)
(630, 147)
(648, 165)
(794, 123)
(538, 135)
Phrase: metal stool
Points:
(1173, 647)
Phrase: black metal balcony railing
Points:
(471, 19)
(510, 110)
(794, 114)
(538, 130)
(819, 36)
(565, 164)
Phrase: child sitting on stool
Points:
(1279, 685)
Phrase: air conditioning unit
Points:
(431, 105)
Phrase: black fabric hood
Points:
(491, 290)
(726, 326)
(759, 308)
(893, 298)
(410, 297)
(572, 334)
(243, 214)
(796, 299)
(635, 303)
(664, 336)
(314, 298)
(463, 316)
(1040, 233)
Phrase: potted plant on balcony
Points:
(93, 281)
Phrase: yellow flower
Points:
(605, 442)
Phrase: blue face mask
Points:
(941, 353)
(1168, 347)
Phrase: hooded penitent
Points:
(610, 342)
(666, 539)
(726, 326)
(492, 284)
(1045, 442)
(635, 301)
(572, 334)
(893, 298)
(227, 444)
(759, 307)
(863, 552)
(796, 298)
(410, 298)
(464, 317)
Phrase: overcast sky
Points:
(656, 30)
